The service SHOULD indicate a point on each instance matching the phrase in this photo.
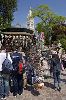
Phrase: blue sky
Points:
(23, 6)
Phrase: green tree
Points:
(63, 42)
(48, 20)
(59, 31)
(7, 8)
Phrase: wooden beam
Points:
(18, 33)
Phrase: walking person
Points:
(56, 70)
(4, 73)
(17, 77)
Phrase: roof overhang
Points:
(17, 31)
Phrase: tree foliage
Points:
(7, 7)
(63, 42)
(59, 31)
(48, 20)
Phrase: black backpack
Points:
(7, 66)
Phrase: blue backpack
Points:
(7, 66)
(16, 57)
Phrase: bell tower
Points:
(30, 20)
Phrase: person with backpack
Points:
(56, 70)
(17, 75)
(5, 69)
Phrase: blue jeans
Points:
(56, 76)
(4, 86)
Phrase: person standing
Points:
(56, 70)
(4, 77)
(17, 78)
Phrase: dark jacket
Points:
(56, 65)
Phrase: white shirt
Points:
(3, 57)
